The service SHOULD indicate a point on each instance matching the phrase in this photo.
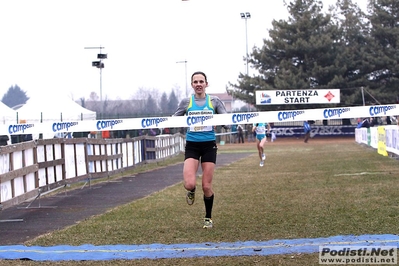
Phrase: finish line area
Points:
(161, 251)
(196, 250)
(55, 127)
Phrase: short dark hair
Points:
(198, 73)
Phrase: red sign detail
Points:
(329, 96)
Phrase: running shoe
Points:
(190, 197)
(208, 223)
(263, 156)
(261, 163)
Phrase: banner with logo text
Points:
(201, 120)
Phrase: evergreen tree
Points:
(385, 56)
(163, 104)
(14, 96)
(343, 48)
(173, 102)
(353, 45)
(152, 106)
(299, 54)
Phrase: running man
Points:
(200, 143)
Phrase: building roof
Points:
(224, 97)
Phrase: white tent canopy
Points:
(48, 109)
(7, 114)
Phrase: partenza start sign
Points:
(269, 97)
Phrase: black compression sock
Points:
(208, 205)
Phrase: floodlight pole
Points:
(185, 66)
(101, 82)
(100, 66)
(246, 16)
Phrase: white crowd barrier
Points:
(385, 139)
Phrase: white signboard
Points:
(270, 97)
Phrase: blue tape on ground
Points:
(158, 251)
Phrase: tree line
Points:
(145, 102)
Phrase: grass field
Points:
(324, 188)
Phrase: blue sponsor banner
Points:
(317, 131)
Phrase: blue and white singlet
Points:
(199, 133)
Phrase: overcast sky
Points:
(43, 43)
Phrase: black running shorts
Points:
(205, 150)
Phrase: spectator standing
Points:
(234, 133)
(249, 134)
(306, 129)
(4, 140)
(240, 134)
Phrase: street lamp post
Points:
(246, 16)
(185, 66)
